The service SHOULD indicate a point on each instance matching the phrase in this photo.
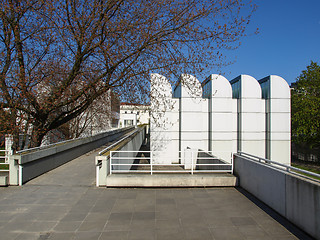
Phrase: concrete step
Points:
(3, 180)
(172, 180)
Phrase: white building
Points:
(220, 116)
(133, 114)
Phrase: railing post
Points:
(97, 176)
(192, 162)
(232, 162)
(151, 162)
(111, 162)
(20, 175)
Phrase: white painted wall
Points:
(164, 121)
(220, 116)
(276, 93)
(251, 115)
(193, 123)
(222, 109)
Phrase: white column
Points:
(276, 91)
(251, 115)
(164, 121)
(222, 120)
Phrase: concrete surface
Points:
(294, 197)
(35, 162)
(172, 180)
(64, 204)
(3, 180)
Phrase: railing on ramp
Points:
(187, 162)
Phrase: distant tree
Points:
(58, 56)
(306, 107)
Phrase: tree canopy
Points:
(305, 107)
(58, 56)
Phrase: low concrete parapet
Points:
(294, 197)
(3, 181)
(31, 163)
(131, 143)
(172, 180)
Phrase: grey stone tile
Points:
(189, 213)
(242, 221)
(143, 216)
(144, 207)
(117, 225)
(142, 224)
(164, 193)
(87, 235)
(189, 222)
(114, 235)
(226, 233)
(74, 216)
(121, 216)
(65, 204)
(9, 235)
(198, 233)
(165, 201)
(252, 231)
(15, 226)
(146, 234)
(27, 236)
(275, 229)
(67, 226)
(123, 205)
(97, 216)
(170, 234)
(165, 207)
(167, 215)
(96, 226)
(168, 224)
(128, 195)
(62, 236)
(41, 226)
(219, 222)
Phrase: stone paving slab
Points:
(64, 204)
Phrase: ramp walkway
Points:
(65, 204)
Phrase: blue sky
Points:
(288, 39)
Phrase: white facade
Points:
(133, 115)
(220, 116)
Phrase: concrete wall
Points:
(32, 163)
(251, 115)
(222, 116)
(132, 143)
(276, 92)
(295, 198)
(193, 112)
(164, 121)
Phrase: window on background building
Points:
(128, 123)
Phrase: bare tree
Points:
(58, 56)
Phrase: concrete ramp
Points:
(172, 180)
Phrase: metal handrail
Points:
(287, 168)
(116, 143)
(6, 156)
(151, 164)
(6, 160)
(62, 142)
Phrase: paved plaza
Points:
(65, 204)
